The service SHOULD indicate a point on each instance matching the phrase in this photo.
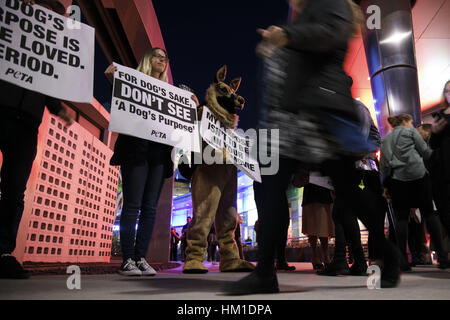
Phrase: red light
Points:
(378, 155)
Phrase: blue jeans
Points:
(141, 190)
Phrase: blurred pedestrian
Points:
(440, 141)
(310, 102)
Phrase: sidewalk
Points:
(426, 282)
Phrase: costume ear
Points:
(221, 74)
(235, 83)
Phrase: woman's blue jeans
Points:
(141, 190)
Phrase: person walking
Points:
(310, 103)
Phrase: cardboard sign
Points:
(46, 52)
(151, 109)
(240, 148)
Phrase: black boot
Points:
(390, 275)
(359, 268)
(284, 266)
(335, 268)
(252, 284)
(10, 268)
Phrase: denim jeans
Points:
(18, 143)
(141, 190)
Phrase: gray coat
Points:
(402, 152)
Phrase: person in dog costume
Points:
(214, 189)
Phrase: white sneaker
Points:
(145, 268)
(129, 268)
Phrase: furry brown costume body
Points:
(214, 190)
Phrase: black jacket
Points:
(130, 150)
(318, 42)
(441, 144)
(24, 104)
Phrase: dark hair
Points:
(425, 126)
(397, 120)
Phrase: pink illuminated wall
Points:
(70, 199)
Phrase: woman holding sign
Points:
(144, 165)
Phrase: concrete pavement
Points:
(427, 282)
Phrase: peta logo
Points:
(19, 75)
(374, 280)
(74, 281)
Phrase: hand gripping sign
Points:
(40, 50)
(148, 108)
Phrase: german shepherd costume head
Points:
(222, 100)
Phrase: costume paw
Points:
(236, 265)
(194, 266)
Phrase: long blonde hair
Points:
(145, 66)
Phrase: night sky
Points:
(202, 35)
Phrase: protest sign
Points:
(148, 108)
(46, 52)
(240, 148)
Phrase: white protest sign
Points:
(319, 180)
(42, 51)
(151, 109)
(239, 148)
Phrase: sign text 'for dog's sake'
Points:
(240, 149)
(151, 109)
(40, 50)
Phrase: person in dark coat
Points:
(184, 233)
(310, 103)
(21, 112)
(440, 142)
(174, 240)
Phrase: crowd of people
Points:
(322, 128)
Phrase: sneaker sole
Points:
(130, 274)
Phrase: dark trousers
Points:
(346, 180)
(359, 204)
(415, 194)
(416, 239)
(346, 231)
(212, 247)
(141, 190)
(273, 211)
(281, 245)
(345, 218)
(173, 252)
(441, 197)
(18, 143)
(373, 186)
